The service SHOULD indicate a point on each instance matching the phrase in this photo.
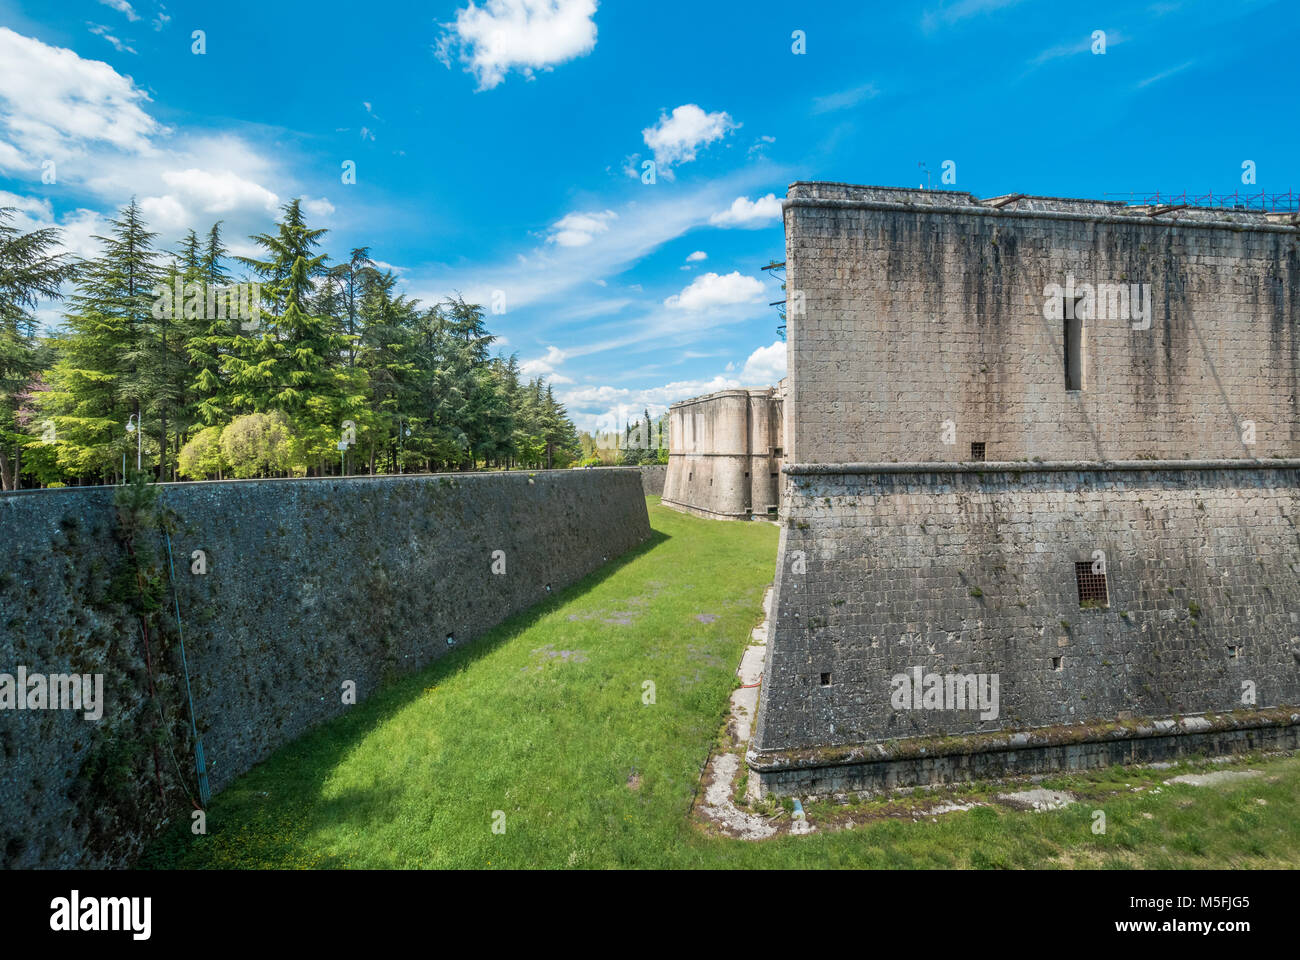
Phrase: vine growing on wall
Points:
(136, 773)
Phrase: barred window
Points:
(1092, 586)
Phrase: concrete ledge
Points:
(701, 512)
(926, 761)
(1021, 466)
(1133, 219)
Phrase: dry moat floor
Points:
(542, 730)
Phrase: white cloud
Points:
(36, 208)
(711, 290)
(568, 279)
(744, 212)
(524, 35)
(77, 232)
(214, 194)
(121, 6)
(845, 98)
(675, 139)
(219, 192)
(53, 104)
(318, 207)
(78, 228)
(765, 366)
(546, 366)
(165, 213)
(93, 123)
(100, 30)
(697, 255)
(1165, 74)
(951, 13)
(1084, 45)
(603, 407)
(579, 229)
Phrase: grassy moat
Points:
(540, 730)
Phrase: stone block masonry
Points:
(923, 330)
(725, 454)
(969, 570)
(652, 479)
(309, 584)
(1123, 561)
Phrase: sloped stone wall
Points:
(309, 584)
(965, 572)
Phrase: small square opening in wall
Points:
(1092, 586)
(1056, 663)
(977, 451)
(1234, 652)
(826, 679)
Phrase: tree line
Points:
(302, 367)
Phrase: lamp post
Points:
(133, 426)
(400, 426)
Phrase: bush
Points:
(201, 457)
(258, 444)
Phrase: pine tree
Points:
(100, 377)
(331, 346)
(208, 337)
(290, 362)
(348, 285)
(387, 356)
(29, 272)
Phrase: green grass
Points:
(589, 776)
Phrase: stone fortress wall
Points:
(725, 454)
(308, 584)
(1098, 507)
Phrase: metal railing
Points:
(1288, 202)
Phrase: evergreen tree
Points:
(291, 362)
(101, 376)
(30, 271)
(208, 336)
(332, 346)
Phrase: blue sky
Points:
(499, 146)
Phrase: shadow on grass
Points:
(321, 748)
